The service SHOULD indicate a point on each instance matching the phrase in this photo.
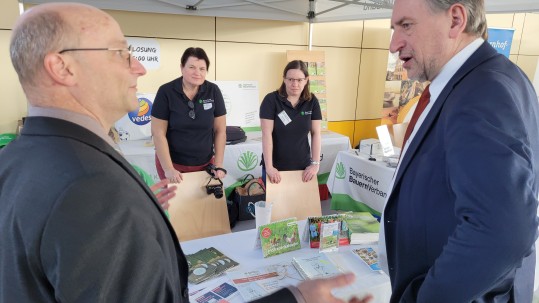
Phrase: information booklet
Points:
(218, 291)
(329, 237)
(312, 229)
(259, 282)
(369, 257)
(315, 266)
(362, 227)
(279, 237)
(207, 263)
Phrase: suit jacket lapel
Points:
(483, 53)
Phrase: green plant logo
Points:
(302, 113)
(340, 172)
(247, 161)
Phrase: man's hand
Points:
(319, 290)
(163, 193)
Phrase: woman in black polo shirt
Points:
(189, 121)
(286, 117)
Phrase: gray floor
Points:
(250, 224)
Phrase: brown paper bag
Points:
(292, 197)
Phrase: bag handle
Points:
(247, 179)
(251, 185)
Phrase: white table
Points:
(240, 247)
(239, 159)
(357, 184)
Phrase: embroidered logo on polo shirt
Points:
(142, 115)
(206, 103)
(306, 113)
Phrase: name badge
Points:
(284, 117)
(207, 106)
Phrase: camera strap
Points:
(211, 167)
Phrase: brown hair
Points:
(196, 52)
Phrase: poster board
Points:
(316, 66)
(136, 125)
(501, 39)
(241, 102)
(193, 213)
(400, 93)
(292, 197)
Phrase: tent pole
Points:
(310, 35)
(311, 15)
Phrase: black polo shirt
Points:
(190, 141)
(291, 150)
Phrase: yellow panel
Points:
(9, 12)
(372, 79)
(262, 31)
(345, 128)
(169, 69)
(518, 25)
(528, 64)
(377, 33)
(500, 20)
(349, 34)
(261, 62)
(165, 25)
(13, 98)
(513, 58)
(341, 82)
(530, 43)
(365, 129)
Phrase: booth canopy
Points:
(286, 10)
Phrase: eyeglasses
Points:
(292, 80)
(125, 53)
(191, 105)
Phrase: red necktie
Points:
(421, 104)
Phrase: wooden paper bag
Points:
(195, 214)
(292, 197)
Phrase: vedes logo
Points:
(142, 115)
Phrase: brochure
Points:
(279, 237)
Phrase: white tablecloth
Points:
(239, 159)
(240, 247)
(357, 184)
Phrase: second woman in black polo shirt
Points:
(286, 117)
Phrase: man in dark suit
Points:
(461, 220)
(78, 224)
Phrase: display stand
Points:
(292, 197)
(194, 213)
(316, 66)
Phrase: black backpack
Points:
(234, 135)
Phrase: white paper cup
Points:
(262, 213)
